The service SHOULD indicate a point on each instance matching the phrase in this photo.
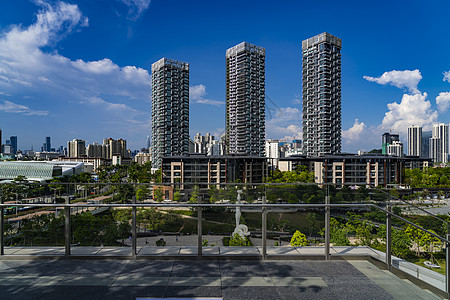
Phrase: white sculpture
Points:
(240, 229)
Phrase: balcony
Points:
(193, 260)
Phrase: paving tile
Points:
(88, 280)
(149, 268)
(247, 281)
(75, 293)
(154, 250)
(249, 251)
(254, 292)
(194, 281)
(134, 292)
(242, 268)
(101, 267)
(22, 292)
(290, 268)
(117, 251)
(81, 251)
(193, 250)
(299, 281)
(199, 268)
(23, 280)
(128, 280)
(203, 292)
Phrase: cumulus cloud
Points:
(446, 76)
(413, 109)
(11, 107)
(284, 121)
(136, 7)
(25, 67)
(197, 94)
(354, 133)
(443, 101)
(402, 79)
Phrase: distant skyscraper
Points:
(115, 148)
(415, 140)
(47, 145)
(148, 141)
(439, 143)
(170, 109)
(426, 136)
(0, 141)
(13, 140)
(245, 99)
(321, 95)
(386, 140)
(76, 148)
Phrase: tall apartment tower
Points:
(439, 143)
(245, 100)
(76, 148)
(321, 95)
(170, 109)
(415, 140)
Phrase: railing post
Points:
(388, 238)
(67, 228)
(447, 263)
(264, 229)
(2, 220)
(327, 228)
(199, 228)
(133, 229)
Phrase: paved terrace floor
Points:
(216, 277)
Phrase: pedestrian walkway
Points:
(215, 278)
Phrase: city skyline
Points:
(71, 68)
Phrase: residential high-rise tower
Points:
(388, 139)
(170, 109)
(321, 95)
(415, 140)
(439, 143)
(245, 99)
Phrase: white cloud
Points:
(11, 107)
(115, 107)
(197, 94)
(136, 7)
(284, 122)
(413, 109)
(401, 79)
(443, 101)
(354, 133)
(25, 67)
(446, 76)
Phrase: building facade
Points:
(170, 109)
(395, 149)
(76, 148)
(205, 171)
(356, 169)
(439, 146)
(426, 136)
(415, 140)
(321, 95)
(272, 153)
(245, 100)
(386, 140)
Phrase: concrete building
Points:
(386, 140)
(76, 148)
(170, 109)
(350, 169)
(207, 144)
(415, 140)
(395, 149)
(289, 149)
(47, 145)
(201, 170)
(321, 95)
(141, 158)
(38, 171)
(272, 153)
(245, 100)
(112, 147)
(95, 150)
(439, 146)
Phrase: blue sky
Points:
(79, 69)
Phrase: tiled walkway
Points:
(227, 279)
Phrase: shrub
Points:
(299, 239)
